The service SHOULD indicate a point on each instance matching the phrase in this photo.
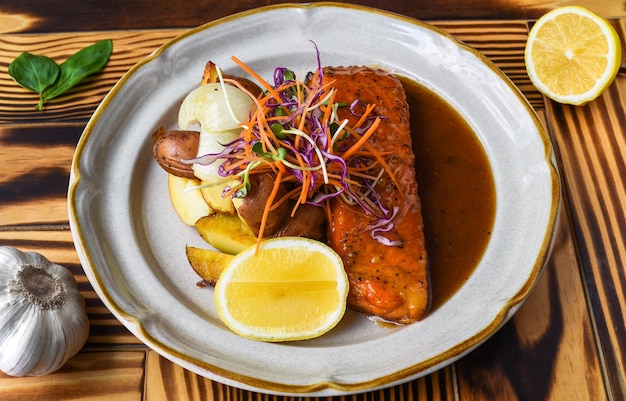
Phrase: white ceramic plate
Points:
(132, 246)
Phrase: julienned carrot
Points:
(256, 76)
(368, 110)
(366, 153)
(370, 131)
(382, 161)
(328, 112)
(266, 210)
(288, 196)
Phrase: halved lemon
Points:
(572, 55)
(291, 289)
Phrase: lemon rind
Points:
(602, 83)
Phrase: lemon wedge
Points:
(292, 289)
(572, 55)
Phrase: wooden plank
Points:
(58, 247)
(501, 41)
(547, 351)
(166, 380)
(93, 15)
(88, 376)
(17, 105)
(553, 320)
(592, 151)
(34, 173)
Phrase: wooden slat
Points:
(88, 376)
(553, 330)
(501, 41)
(34, 173)
(85, 15)
(58, 247)
(166, 380)
(537, 355)
(592, 150)
(17, 105)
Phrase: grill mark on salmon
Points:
(390, 282)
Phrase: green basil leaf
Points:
(83, 63)
(33, 72)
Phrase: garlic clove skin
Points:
(43, 321)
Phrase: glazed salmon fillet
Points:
(386, 281)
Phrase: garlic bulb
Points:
(43, 321)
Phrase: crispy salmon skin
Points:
(387, 281)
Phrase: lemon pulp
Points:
(291, 289)
(572, 55)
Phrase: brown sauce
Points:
(456, 188)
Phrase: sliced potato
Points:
(226, 233)
(206, 263)
(212, 194)
(188, 205)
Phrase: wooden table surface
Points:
(567, 342)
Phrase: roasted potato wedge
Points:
(188, 205)
(226, 233)
(212, 194)
(206, 263)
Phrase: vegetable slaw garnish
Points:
(296, 134)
